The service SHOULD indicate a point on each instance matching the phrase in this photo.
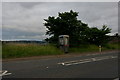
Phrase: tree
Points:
(98, 36)
(65, 24)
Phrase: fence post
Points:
(100, 49)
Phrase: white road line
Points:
(93, 59)
(113, 56)
(77, 63)
(86, 60)
(102, 58)
(116, 79)
(4, 72)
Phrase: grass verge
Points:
(94, 48)
(14, 50)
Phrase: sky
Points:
(24, 20)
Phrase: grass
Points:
(112, 46)
(0, 50)
(84, 48)
(14, 50)
(94, 48)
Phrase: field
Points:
(0, 50)
(94, 48)
(16, 50)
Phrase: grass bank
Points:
(84, 48)
(94, 48)
(15, 50)
(0, 50)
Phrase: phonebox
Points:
(64, 42)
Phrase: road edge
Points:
(59, 56)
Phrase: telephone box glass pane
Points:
(66, 41)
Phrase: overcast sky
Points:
(24, 20)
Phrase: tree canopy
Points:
(67, 24)
(98, 36)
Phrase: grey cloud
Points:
(27, 17)
(13, 33)
(29, 4)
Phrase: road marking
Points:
(86, 60)
(102, 58)
(116, 79)
(47, 67)
(93, 59)
(113, 56)
(77, 63)
(4, 72)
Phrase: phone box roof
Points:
(63, 36)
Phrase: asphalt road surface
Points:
(87, 66)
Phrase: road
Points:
(86, 66)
